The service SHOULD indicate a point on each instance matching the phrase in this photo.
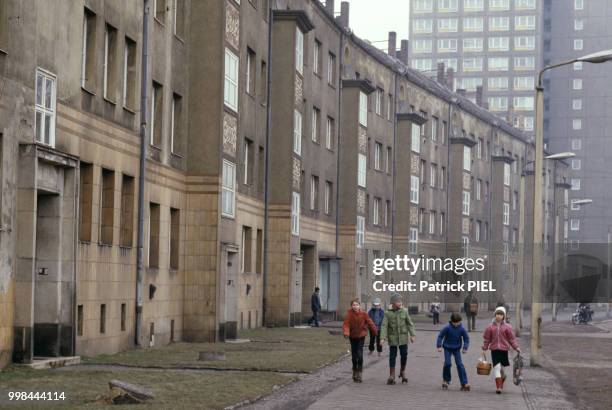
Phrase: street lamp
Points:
(536, 308)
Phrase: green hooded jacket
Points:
(396, 327)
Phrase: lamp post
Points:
(536, 276)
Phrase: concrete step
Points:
(40, 363)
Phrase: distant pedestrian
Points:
(355, 328)
(397, 328)
(470, 306)
(377, 314)
(454, 338)
(499, 337)
(434, 309)
(315, 306)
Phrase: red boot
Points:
(499, 384)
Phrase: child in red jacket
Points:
(355, 328)
(499, 337)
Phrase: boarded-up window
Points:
(127, 211)
(153, 235)
(175, 230)
(107, 207)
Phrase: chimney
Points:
(479, 101)
(461, 91)
(441, 73)
(392, 43)
(329, 6)
(343, 20)
(450, 77)
(404, 51)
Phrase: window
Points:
(447, 25)
(578, 44)
(575, 224)
(414, 189)
(577, 84)
(176, 121)
(413, 241)
(175, 237)
(314, 193)
(523, 103)
(506, 214)
(389, 161)
(449, 63)
(472, 64)
(423, 6)
(109, 84)
(432, 222)
(363, 109)
(473, 5)
(378, 101)
(499, 5)
(578, 24)
(329, 133)
(497, 83)
(478, 189)
(499, 43)
(316, 61)
(524, 43)
(466, 203)
(88, 75)
(507, 174)
(524, 63)
(360, 240)
(577, 124)
(126, 229)
(498, 103)
(250, 72)
(299, 51)
(129, 73)
(528, 123)
(477, 231)
(44, 108)
(514, 200)
(574, 207)
(297, 132)
(228, 196)
(446, 45)
(85, 201)
(4, 30)
(499, 23)
(479, 148)
(316, 120)
(376, 220)
(434, 128)
(263, 83)
(578, 4)
(328, 197)
(230, 90)
(576, 164)
(472, 44)
(525, 4)
(157, 114)
(422, 64)
(415, 140)
(103, 318)
(473, 24)
(295, 213)
(247, 162)
(433, 175)
(578, 66)
(442, 177)
(378, 156)
(423, 26)
(576, 144)
(447, 6)
(331, 69)
(123, 317)
(178, 18)
(577, 104)
(524, 22)
(361, 170)
(498, 64)
(467, 158)
(159, 7)
(153, 258)
(107, 207)
(422, 46)
(524, 83)
(387, 212)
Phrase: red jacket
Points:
(499, 337)
(356, 324)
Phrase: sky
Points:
(373, 19)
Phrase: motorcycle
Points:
(583, 315)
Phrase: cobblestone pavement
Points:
(332, 387)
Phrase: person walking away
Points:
(470, 306)
(315, 306)
(454, 339)
(377, 314)
(499, 337)
(355, 328)
(397, 329)
(434, 309)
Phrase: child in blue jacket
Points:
(453, 337)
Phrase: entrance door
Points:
(296, 291)
(329, 280)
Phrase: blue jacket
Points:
(452, 337)
(315, 302)
(377, 316)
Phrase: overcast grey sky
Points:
(373, 19)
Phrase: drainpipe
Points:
(449, 126)
(490, 192)
(267, 169)
(75, 252)
(341, 61)
(141, 175)
(394, 170)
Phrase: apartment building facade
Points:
(268, 171)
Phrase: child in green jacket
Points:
(396, 328)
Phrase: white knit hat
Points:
(501, 309)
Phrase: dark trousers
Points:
(315, 318)
(357, 352)
(471, 319)
(446, 370)
(375, 340)
(403, 350)
(436, 318)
